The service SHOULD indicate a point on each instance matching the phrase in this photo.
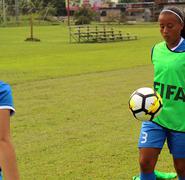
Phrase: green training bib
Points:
(169, 81)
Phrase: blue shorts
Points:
(154, 136)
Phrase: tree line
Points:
(56, 7)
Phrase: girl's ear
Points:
(182, 26)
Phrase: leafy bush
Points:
(84, 15)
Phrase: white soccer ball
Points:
(145, 104)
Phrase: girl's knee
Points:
(147, 165)
(180, 167)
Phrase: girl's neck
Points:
(175, 44)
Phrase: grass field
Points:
(72, 119)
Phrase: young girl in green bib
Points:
(168, 58)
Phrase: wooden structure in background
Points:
(90, 34)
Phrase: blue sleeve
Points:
(6, 99)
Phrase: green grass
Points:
(72, 119)
(55, 57)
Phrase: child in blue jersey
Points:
(7, 154)
(154, 133)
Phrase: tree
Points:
(84, 15)
(47, 12)
(59, 6)
(34, 6)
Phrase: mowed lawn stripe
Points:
(79, 127)
(54, 57)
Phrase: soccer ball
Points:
(145, 104)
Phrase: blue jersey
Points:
(6, 100)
